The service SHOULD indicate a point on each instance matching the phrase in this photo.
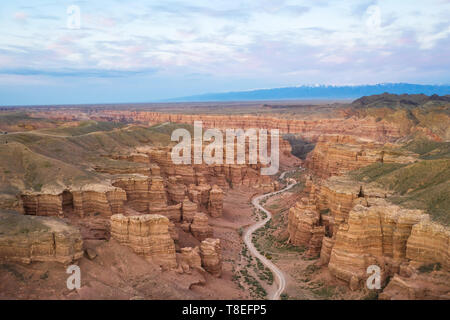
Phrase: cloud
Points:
(20, 16)
(95, 73)
(429, 40)
(216, 45)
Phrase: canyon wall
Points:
(223, 175)
(88, 200)
(373, 235)
(338, 154)
(27, 239)
(311, 129)
(353, 226)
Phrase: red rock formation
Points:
(429, 243)
(365, 127)
(325, 251)
(42, 204)
(211, 256)
(374, 235)
(200, 227)
(27, 239)
(417, 287)
(190, 259)
(97, 199)
(304, 227)
(335, 155)
(136, 188)
(224, 175)
(91, 199)
(157, 194)
(175, 189)
(199, 194)
(215, 202)
(172, 212)
(188, 210)
(148, 235)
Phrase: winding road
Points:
(279, 276)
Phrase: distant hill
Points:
(319, 92)
(402, 101)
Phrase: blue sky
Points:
(158, 49)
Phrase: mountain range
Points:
(318, 92)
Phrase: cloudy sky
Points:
(157, 49)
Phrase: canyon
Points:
(372, 191)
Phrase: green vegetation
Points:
(14, 223)
(372, 295)
(284, 296)
(84, 127)
(66, 155)
(428, 149)
(12, 269)
(325, 292)
(251, 281)
(376, 170)
(255, 287)
(427, 268)
(424, 184)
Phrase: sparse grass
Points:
(427, 268)
(372, 295)
(421, 185)
(325, 292)
(11, 269)
(284, 296)
(376, 170)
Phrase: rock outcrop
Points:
(190, 259)
(374, 235)
(337, 154)
(188, 210)
(157, 193)
(211, 256)
(367, 127)
(90, 199)
(147, 235)
(429, 243)
(224, 175)
(360, 228)
(417, 287)
(176, 190)
(98, 199)
(304, 227)
(42, 204)
(27, 239)
(215, 202)
(200, 227)
(137, 190)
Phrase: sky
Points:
(110, 51)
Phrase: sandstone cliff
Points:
(190, 259)
(200, 227)
(367, 127)
(90, 199)
(337, 154)
(374, 235)
(27, 239)
(148, 235)
(211, 255)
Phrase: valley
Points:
(360, 183)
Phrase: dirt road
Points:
(279, 277)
